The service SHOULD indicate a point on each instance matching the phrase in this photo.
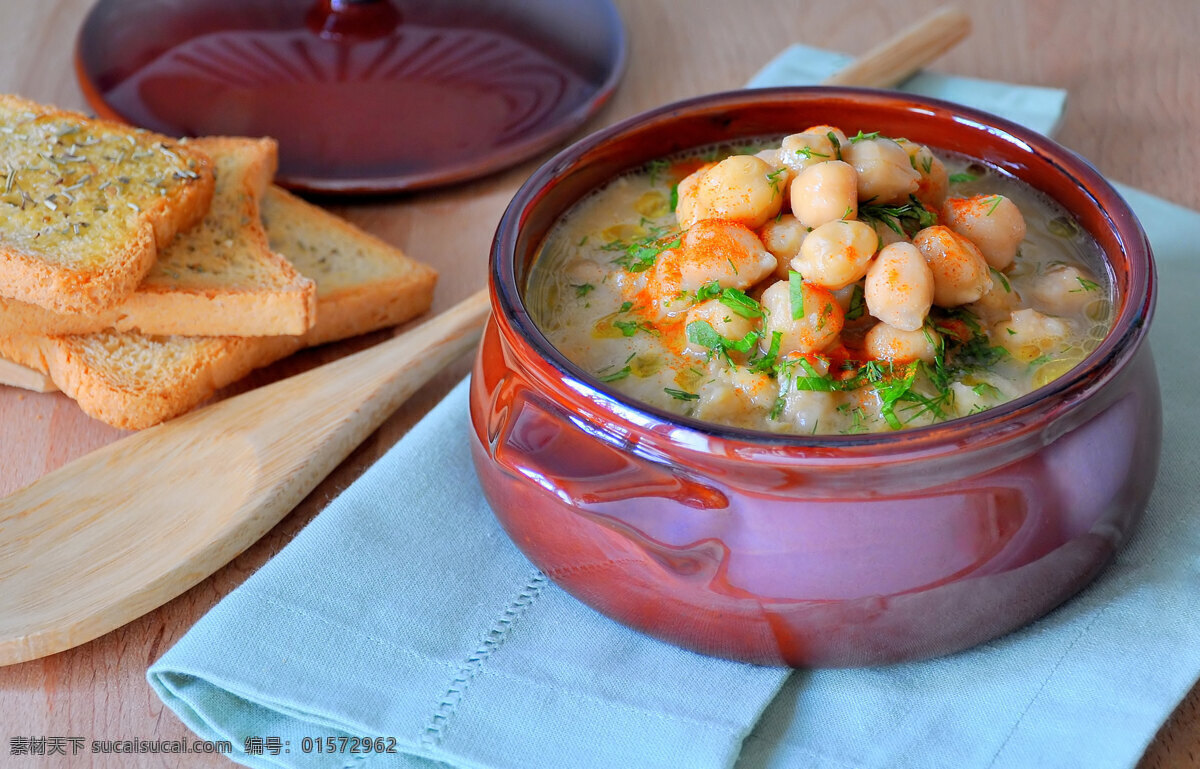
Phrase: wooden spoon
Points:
(124, 529)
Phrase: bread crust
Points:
(197, 366)
(30, 278)
(162, 306)
(201, 366)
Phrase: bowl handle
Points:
(573, 459)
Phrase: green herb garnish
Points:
(582, 289)
(1002, 278)
(742, 305)
(904, 220)
(857, 303)
(837, 145)
(681, 395)
(616, 375)
(708, 291)
(962, 178)
(796, 294)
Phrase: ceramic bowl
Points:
(834, 550)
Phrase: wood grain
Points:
(1133, 73)
(895, 60)
(99, 542)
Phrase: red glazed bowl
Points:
(824, 550)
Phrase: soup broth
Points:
(821, 284)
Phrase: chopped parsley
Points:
(1003, 280)
(740, 303)
(773, 178)
(641, 255)
(628, 327)
(858, 303)
(985, 390)
(708, 291)
(616, 375)
(837, 145)
(702, 333)
(766, 363)
(904, 219)
(796, 294)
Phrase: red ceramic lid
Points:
(362, 95)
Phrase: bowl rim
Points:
(1036, 408)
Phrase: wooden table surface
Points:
(1133, 74)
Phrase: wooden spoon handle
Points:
(150, 515)
(895, 60)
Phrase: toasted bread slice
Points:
(363, 283)
(25, 378)
(134, 381)
(86, 204)
(219, 278)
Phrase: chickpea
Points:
(580, 270)
(836, 254)
(887, 236)
(992, 222)
(712, 250)
(816, 329)
(898, 346)
(935, 180)
(723, 320)
(968, 399)
(845, 294)
(726, 252)
(996, 303)
(805, 411)
(742, 189)
(685, 204)
(1065, 290)
(899, 287)
(657, 292)
(1028, 334)
(825, 192)
(960, 273)
(884, 173)
(782, 237)
(826, 130)
(799, 151)
(740, 397)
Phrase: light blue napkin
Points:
(403, 611)
(1038, 108)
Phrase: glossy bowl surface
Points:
(816, 550)
(372, 97)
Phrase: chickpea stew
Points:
(821, 284)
